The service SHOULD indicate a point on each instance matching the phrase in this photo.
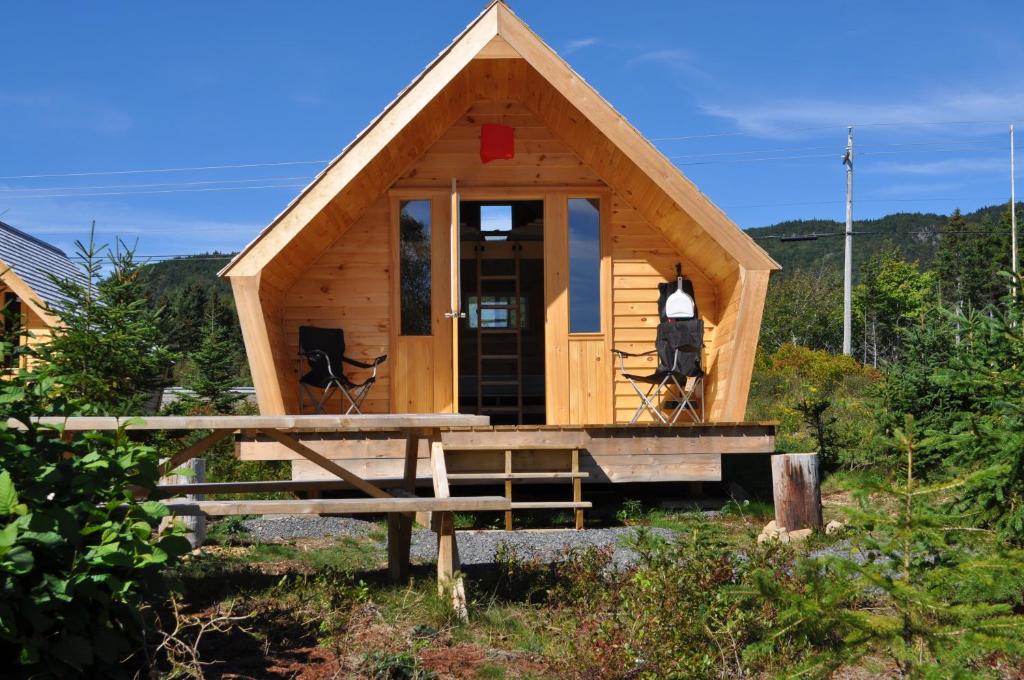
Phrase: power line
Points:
(740, 133)
(147, 186)
(162, 191)
(154, 170)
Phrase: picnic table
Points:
(399, 504)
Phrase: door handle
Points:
(454, 315)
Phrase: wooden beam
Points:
(258, 348)
(449, 579)
(376, 422)
(194, 450)
(326, 464)
(355, 506)
(754, 288)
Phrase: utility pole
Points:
(1013, 213)
(848, 264)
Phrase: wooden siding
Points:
(348, 286)
(541, 159)
(337, 270)
(642, 258)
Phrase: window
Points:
(584, 265)
(497, 311)
(414, 266)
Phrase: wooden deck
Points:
(608, 453)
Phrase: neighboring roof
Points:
(497, 24)
(32, 261)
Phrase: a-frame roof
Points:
(496, 32)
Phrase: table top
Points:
(325, 423)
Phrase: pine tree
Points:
(213, 371)
(969, 259)
(918, 585)
(108, 352)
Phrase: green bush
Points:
(79, 557)
(822, 402)
(962, 379)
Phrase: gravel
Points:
(476, 547)
(289, 527)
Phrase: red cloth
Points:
(497, 142)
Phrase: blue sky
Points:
(760, 91)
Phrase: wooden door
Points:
(422, 363)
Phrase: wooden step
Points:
(179, 506)
(552, 505)
(484, 476)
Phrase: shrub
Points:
(79, 556)
(823, 402)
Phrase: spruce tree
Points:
(109, 352)
(213, 371)
(917, 584)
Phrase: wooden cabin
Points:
(26, 289)
(499, 192)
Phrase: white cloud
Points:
(907, 188)
(67, 112)
(946, 166)
(674, 58)
(577, 45)
(64, 222)
(784, 118)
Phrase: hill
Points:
(916, 235)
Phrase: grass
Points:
(332, 595)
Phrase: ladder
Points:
(486, 355)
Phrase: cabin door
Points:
(422, 353)
(500, 337)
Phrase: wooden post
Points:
(796, 485)
(508, 489)
(449, 577)
(577, 487)
(399, 525)
(196, 524)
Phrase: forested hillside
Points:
(914, 235)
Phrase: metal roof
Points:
(34, 261)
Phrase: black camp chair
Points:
(678, 346)
(324, 351)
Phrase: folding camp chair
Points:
(678, 347)
(324, 351)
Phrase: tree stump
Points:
(797, 491)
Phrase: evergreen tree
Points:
(213, 371)
(969, 259)
(109, 352)
(918, 585)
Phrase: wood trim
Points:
(556, 309)
(10, 278)
(257, 345)
(754, 288)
